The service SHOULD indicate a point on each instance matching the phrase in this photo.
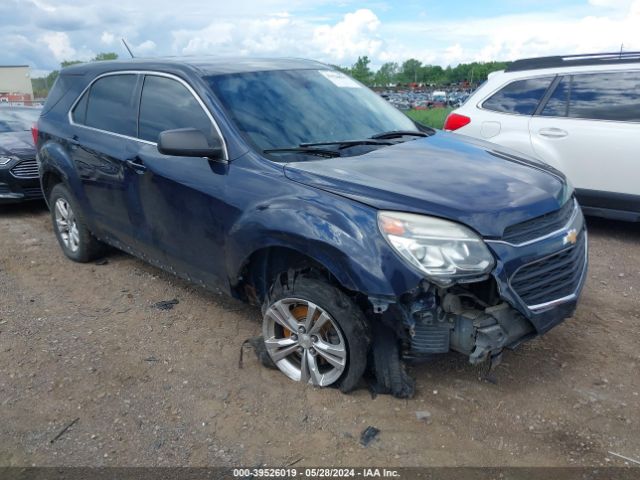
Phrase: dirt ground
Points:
(151, 387)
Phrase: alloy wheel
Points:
(304, 341)
(67, 225)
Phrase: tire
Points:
(347, 328)
(75, 239)
(388, 367)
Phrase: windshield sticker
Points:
(339, 79)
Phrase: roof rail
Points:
(573, 60)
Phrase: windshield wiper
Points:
(348, 143)
(310, 151)
(399, 133)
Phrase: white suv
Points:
(579, 113)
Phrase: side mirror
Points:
(189, 142)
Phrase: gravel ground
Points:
(144, 386)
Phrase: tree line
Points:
(42, 85)
(414, 71)
(390, 73)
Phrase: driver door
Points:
(182, 198)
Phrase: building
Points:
(15, 84)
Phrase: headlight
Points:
(4, 159)
(445, 251)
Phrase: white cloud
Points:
(283, 34)
(77, 29)
(355, 35)
(510, 37)
(610, 3)
(59, 44)
(107, 38)
(145, 48)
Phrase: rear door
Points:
(104, 133)
(590, 129)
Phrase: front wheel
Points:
(315, 334)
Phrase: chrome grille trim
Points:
(25, 169)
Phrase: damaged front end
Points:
(534, 286)
(436, 320)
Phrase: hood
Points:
(479, 184)
(19, 144)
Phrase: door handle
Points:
(553, 132)
(136, 165)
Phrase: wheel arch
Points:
(261, 267)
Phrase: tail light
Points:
(34, 133)
(455, 121)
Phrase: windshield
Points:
(285, 108)
(17, 119)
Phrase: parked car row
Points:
(422, 100)
(366, 238)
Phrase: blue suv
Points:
(366, 238)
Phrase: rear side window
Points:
(519, 97)
(111, 105)
(79, 113)
(166, 104)
(597, 96)
(606, 96)
(61, 86)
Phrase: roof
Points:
(203, 65)
(574, 61)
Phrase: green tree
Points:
(105, 56)
(42, 85)
(360, 70)
(386, 74)
(346, 70)
(68, 63)
(410, 71)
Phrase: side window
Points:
(112, 104)
(606, 96)
(165, 105)
(79, 113)
(558, 103)
(519, 97)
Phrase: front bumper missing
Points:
(478, 334)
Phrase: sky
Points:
(43, 33)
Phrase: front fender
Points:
(340, 234)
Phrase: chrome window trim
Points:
(551, 303)
(153, 73)
(563, 229)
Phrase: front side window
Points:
(166, 105)
(286, 108)
(111, 105)
(520, 97)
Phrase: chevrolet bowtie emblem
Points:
(571, 237)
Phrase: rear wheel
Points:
(315, 334)
(74, 237)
